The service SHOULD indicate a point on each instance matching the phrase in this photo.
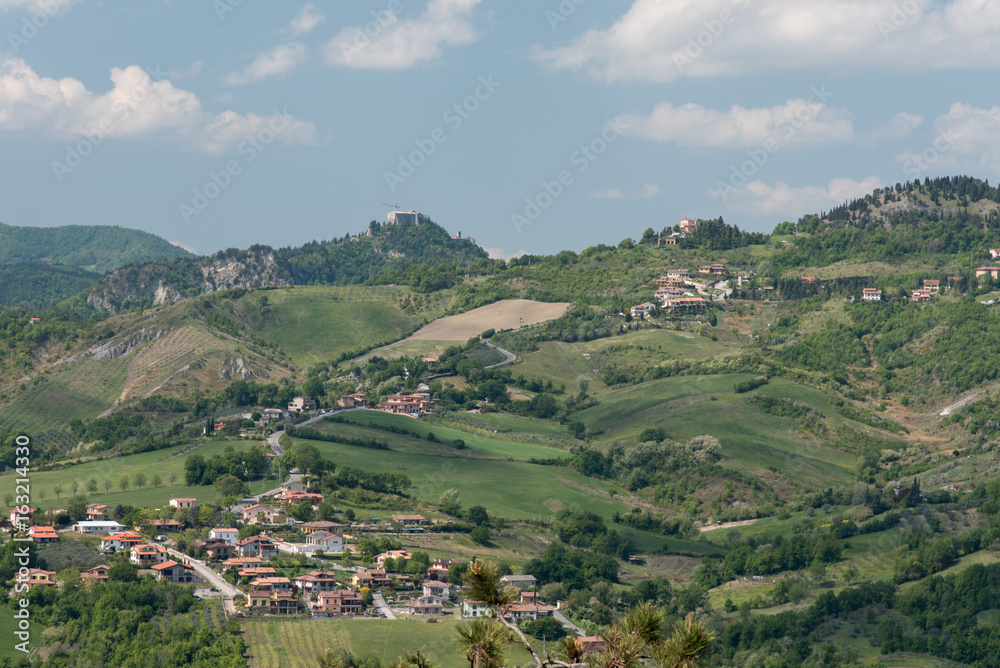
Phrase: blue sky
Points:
(531, 125)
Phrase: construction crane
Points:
(393, 206)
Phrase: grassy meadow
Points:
(297, 643)
(315, 323)
(165, 462)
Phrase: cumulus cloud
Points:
(393, 44)
(306, 20)
(648, 191)
(969, 133)
(797, 121)
(760, 199)
(663, 41)
(275, 62)
(136, 106)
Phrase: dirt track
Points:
(507, 314)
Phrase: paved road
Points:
(726, 291)
(272, 440)
(383, 607)
(510, 356)
(568, 624)
(211, 577)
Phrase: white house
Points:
(326, 541)
(476, 609)
(425, 605)
(440, 589)
(97, 526)
(871, 295)
(228, 535)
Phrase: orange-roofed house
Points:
(37, 576)
(121, 541)
(43, 535)
(147, 555)
(174, 572)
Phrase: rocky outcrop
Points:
(164, 283)
(254, 270)
(235, 367)
(116, 346)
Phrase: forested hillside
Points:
(422, 255)
(91, 247)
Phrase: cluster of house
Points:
(266, 592)
(325, 593)
(931, 287)
(418, 403)
(673, 293)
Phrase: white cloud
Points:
(394, 44)
(189, 249)
(306, 20)
(797, 121)
(663, 41)
(967, 132)
(137, 106)
(648, 191)
(760, 199)
(46, 7)
(898, 126)
(501, 254)
(276, 62)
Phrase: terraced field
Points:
(163, 357)
(81, 390)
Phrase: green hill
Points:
(96, 248)
(420, 255)
(37, 285)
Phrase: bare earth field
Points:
(507, 314)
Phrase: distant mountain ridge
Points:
(96, 248)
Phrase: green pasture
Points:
(163, 462)
(688, 406)
(495, 447)
(315, 323)
(297, 643)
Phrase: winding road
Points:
(510, 356)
